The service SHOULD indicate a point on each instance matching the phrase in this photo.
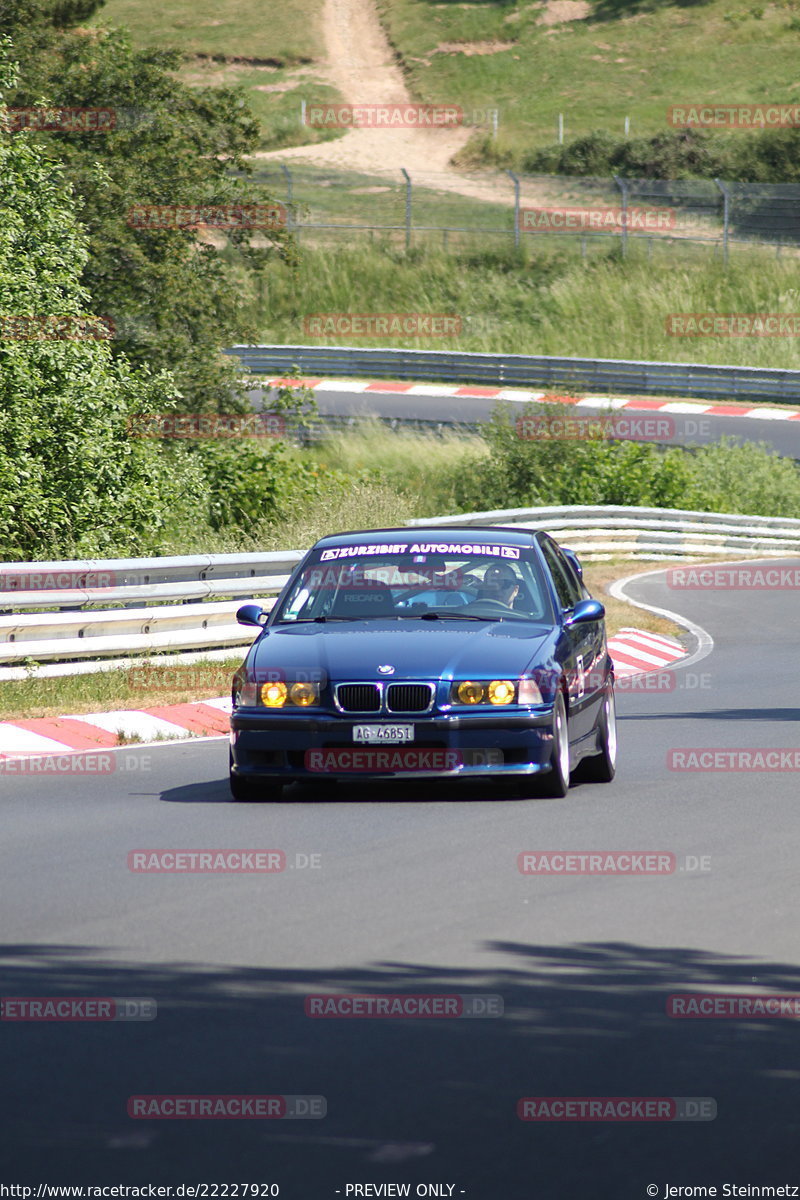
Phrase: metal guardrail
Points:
(88, 638)
(605, 375)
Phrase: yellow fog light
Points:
(501, 691)
(303, 694)
(274, 695)
(470, 692)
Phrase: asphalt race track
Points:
(782, 436)
(417, 890)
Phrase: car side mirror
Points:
(585, 611)
(251, 614)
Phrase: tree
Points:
(175, 299)
(72, 478)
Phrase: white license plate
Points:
(383, 734)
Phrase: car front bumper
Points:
(289, 747)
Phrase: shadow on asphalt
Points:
(718, 714)
(384, 791)
(408, 1100)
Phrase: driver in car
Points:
(499, 584)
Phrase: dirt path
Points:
(361, 66)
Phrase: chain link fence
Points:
(448, 208)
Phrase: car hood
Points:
(416, 649)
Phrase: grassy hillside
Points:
(619, 58)
(266, 49)
(278, 34)
(623, 58)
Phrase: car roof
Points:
(435, 535)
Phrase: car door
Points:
(583, 651)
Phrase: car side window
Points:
(577, 586)
(565, 583)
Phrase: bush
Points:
(771, 156)
(723, 477)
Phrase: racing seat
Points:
(371, 598)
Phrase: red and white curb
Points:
(520, 396)
(632, 650)
(102, 731)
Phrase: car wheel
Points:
(602, 767)
(255, 791)
(555, 783)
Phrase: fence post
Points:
(725, 218)
(408, 206)
(515, 181)
(561, 129)
(288, 177)
(627, 126)
(623, 187)
(494, 122)
(302, 112)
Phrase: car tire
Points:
(602, 767)
(555, 784)
(255, 791)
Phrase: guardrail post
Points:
(288, 177)
(408, 206)
(726, 196)
(515, 181)
(623, 187)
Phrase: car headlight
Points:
(304, 694)
(494, 691)
(470, 692)
(278, 694)
(273, 695)
(501, 691)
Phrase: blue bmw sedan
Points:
(426, 652)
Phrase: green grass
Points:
(273, 93)
(281, 33)
(544, 300)
(627, 58)
(147, 686)
(418, 466)
(241, 43)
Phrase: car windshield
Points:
(480, 582)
